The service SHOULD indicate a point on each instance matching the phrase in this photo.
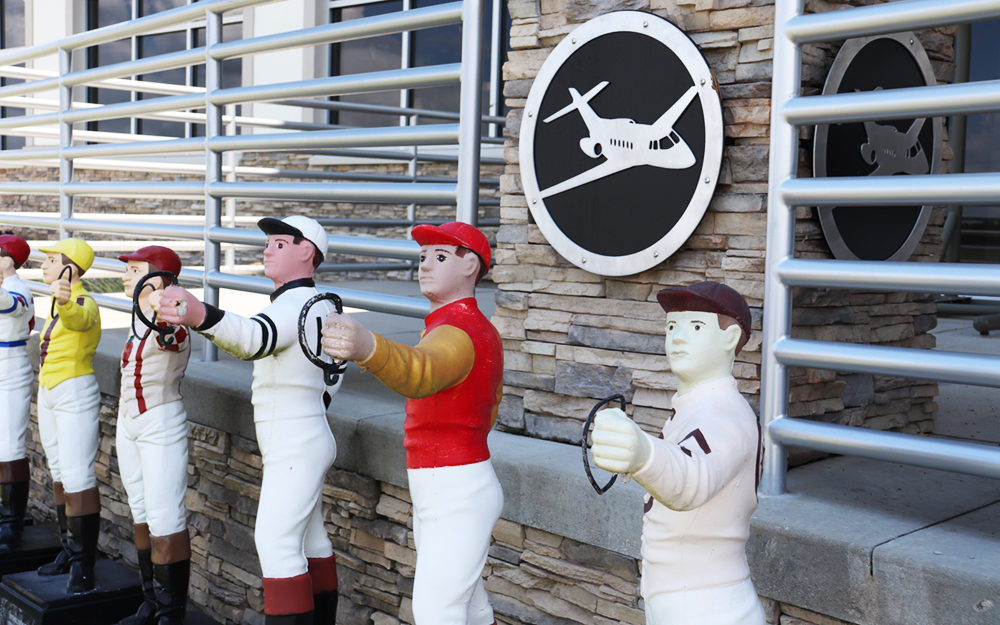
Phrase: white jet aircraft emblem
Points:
(625, 143)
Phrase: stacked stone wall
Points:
(534, 577)
(571, 336)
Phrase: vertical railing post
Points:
(470, 108)
(213, 164)
(411, 210)
(784, 158)
(232, 158)
(65, 139)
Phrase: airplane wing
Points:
(665, 124)
(594, 173)
(577, 101)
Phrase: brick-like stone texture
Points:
(580, 336)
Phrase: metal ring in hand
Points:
(52, 308)
(166, 334)
(331, 370)
(586, 435)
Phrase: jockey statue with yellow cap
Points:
(453, 380)
(69, 402)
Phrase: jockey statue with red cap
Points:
(453, 380)
(17, 320)
(701, 473)
(152, 445)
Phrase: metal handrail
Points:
(784, 272)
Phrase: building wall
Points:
(571, 336)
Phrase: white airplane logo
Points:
(625, 143)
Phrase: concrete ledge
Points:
(877, 543)
(544, 483)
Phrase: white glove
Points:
(619, 445)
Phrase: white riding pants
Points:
(454, 511)
(68, 423)
(730, 605)
(153, 459)
(296, 453)
(16, 378)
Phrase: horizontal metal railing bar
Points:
(887, 18)
(163, 231)
(403, 156)
(442, 134)
(338, 244)
(375, 302)
(167, 190)
(904, 362)
(963, 189)
(28, 221)
(102, 300)
(52, 132)
(350, 222)
(131, 109)
(389, 80)
(391, 23)
(121, 30)
(913, 102)
(117, 84)
(137, 67)
(388, 192)
(29, 188)
(908, 449)
(358, 107)
(346, 267)
(35, 86)
(138, 148)
(949, 278)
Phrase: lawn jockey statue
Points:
(152, 443)
(702, 471)
(290, 401)
(17, 320)
(453, 381)
(69, 403)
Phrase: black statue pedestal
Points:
(30, 599)
(38, 546)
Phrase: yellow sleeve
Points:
(443, 358)
(77, 317)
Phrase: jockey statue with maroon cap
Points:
(701, 472)
(453, 381)
(151, 440)
(17, 320)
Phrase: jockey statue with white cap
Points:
(453, 380)
(290, 400)
(701, 473)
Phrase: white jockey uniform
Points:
(296, 444)
(17, 320)
(702, 480)
(152, 429)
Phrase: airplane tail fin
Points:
(578, 100)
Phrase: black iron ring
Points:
(586, 435)
(52, 307)
(331, 370)
(166, 334)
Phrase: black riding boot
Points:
(83, 533)
(171, 583)
(60, 566)
(147, 610)
(325, 612)
(13, 506)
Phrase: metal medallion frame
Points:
(688, 53)
(840, 65)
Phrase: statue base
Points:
(38, 546)
(30, 599)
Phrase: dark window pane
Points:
(109, 12)
(148, 7)
(367, 55)
(154, 45)
(13, 23)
